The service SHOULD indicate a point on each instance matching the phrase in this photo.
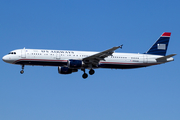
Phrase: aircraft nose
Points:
(5, 58)
(8, 59)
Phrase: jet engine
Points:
(75, 64)
(66, 70)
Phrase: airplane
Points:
(69, 61)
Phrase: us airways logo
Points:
(161, 46)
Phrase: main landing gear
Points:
(22, 71)
(91, 72)
(85, 75)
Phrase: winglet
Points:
(121, 46)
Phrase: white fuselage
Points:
(61, 57)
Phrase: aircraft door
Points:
(23, 53)
(57, 56)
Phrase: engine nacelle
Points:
(75, 63)
(66, 70)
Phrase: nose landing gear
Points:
(22, 71)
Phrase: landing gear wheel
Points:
(91, 72)
(22, 71)
(85, 75)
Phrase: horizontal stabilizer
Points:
(165, 58)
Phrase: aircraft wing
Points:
(94, 59)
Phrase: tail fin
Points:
(161, 45)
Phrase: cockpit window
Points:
(12, 53)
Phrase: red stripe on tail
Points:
(167, 34)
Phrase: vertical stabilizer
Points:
(161, 45)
